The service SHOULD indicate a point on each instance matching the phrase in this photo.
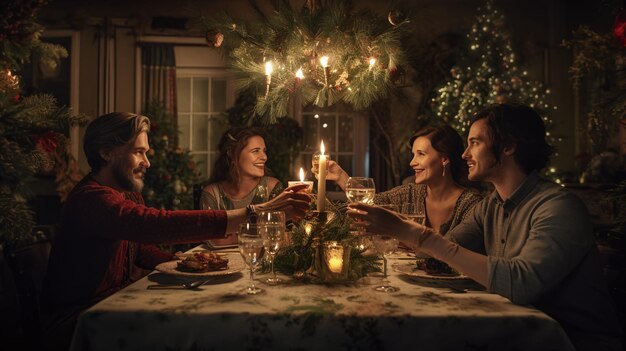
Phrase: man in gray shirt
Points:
(530, 240)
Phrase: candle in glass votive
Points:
(309, 183)
(321, 184)
(335, 257)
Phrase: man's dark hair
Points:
(109, 131)
(519, 126)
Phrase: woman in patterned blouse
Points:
(440, 190)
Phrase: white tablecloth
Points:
(312, 317)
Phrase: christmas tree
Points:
(33, 130)
(172, 174)
(488, 73)
(320, 54)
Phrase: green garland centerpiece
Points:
(323, 249)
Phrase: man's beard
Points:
(127, 180)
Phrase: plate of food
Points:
(429, 269)
(203, 264)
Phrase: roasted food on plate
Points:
(435, 267)
(203, 262)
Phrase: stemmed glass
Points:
(385, 245)
(360, 189)
(364, 242)
(252, 250)
(414, 212)
(272, 228)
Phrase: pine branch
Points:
(296, 39)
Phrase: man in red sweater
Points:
(106, 229)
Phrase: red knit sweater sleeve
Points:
(108, 214)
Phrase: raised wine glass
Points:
(272, 228)
(360, 189)
(385, 245)
(252, 250)
(315, 161)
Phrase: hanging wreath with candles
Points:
(323, 55)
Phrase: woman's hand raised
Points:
(334, 172)
(293, 201)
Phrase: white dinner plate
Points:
(235, 264)
(410, 269)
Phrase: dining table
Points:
(426, 313)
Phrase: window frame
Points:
(209, 73)
(360, 141)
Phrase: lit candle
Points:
(335, 264)
(324, 63)
(301, 174)
(372, 62)
(335, 257)
(269, 68)
(321, 184)
(309, 183)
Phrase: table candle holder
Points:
(331, 261)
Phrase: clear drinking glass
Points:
(414, 212)
(384, 245)
(252, 250)
(272, 228)
(360, 189)
(315, 161)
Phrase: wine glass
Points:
(315, 161)
(360, 189)
(252, 250)
(272, 228)
(385, 245)
(414, 212)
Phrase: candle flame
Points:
(269, 68)
(322, 147)
(301, 174)
(372, 61)
(299, 74)
(324, 61)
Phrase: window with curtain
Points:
(203, 97)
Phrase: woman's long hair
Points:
(230, 146)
